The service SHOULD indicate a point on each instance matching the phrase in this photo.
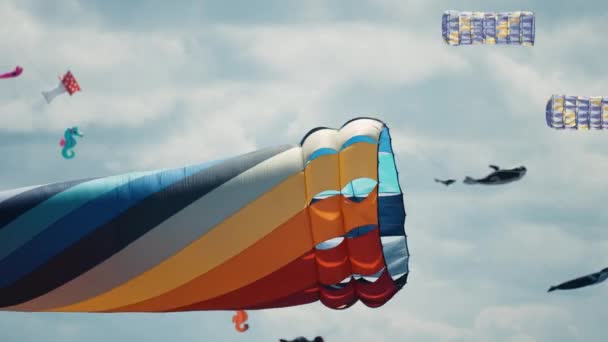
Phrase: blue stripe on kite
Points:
(77, 224)
(360, 231)
(359, 187)
(357, 139)
(387, 175)
(384, 143)
(354, 199)
(19, 204)
(34, 221)
(321, 152)
(391, 212)
(391, 215)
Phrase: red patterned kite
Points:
(67, 84)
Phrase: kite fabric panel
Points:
(466, 28)
(577, 112)
(282, 226)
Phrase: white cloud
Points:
(524, 82)
(533, 76)
(525, 323)
(130, 78)
(323, 54)
(385, 323)
(520, 323)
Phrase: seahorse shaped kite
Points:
(69, 142)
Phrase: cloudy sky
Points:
(166, 84)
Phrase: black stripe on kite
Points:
(13, 207)
(118, 233)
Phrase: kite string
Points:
(30, 65)
(425, 156)
(20, 47)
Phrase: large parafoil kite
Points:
(466, 28)
(577, 112)
(282, 226)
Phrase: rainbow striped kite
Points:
(282, 226)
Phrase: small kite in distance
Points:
(12, 74)
(577, 112)
(499, 176)
(590, 279)
(304, 339)
(467, 28)
(67, 84)
(446, 182)
(69, 142)
(239, 319)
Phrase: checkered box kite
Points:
(491, 28)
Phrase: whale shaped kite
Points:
(304, 339)
(499, 176)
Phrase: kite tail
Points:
(68, 153)
(51, 94)
(48, 96)
(469, 180)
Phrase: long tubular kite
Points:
(12, 74)
(588, 280)
(283, 226)
(577, 112)
(466, 28)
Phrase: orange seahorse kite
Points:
(239, 320)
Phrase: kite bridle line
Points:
(41, 76)
(425, 156)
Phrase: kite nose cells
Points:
(356, 213)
